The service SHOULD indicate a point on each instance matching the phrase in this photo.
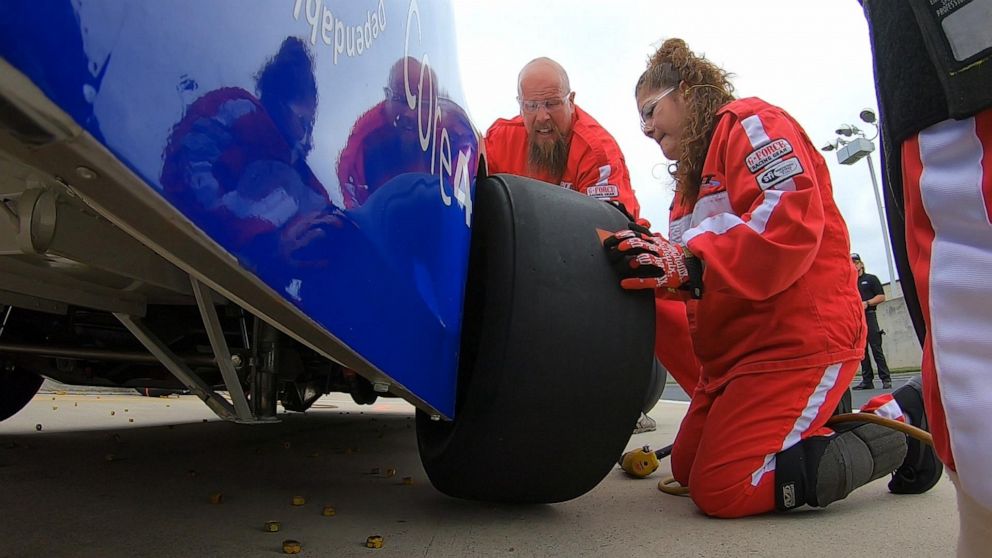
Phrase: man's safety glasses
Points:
(550, 105)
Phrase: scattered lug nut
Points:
(408, 481)
(290, 546)
(374, 541)
(390, 473)
(272, 526)
(299, 500)
(328, 511)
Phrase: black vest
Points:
(933, 61)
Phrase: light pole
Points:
(850, 151)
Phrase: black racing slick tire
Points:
(555, 356)
(17, 387)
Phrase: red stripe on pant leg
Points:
(983, 128)
(919, 246)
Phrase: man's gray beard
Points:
(548, 158)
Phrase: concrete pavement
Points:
(93, 483)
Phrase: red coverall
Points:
(595, 166)
(779, 330)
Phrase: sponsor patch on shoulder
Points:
(603, 191)
(771, 151)
(710, 186)
(779, 172)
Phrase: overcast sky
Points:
(812, 59)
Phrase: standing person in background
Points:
(757, 240)
(872, 295)
(933, 67)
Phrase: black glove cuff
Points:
(695, 283)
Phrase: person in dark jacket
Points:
(871, 296)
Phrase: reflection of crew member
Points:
(236, 164)
(385, 141)
(933, 67)
(555, 141)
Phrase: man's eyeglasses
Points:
(647, 110)
(394, 96)
(550, 105)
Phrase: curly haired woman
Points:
(776, 320)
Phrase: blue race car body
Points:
(323, 146)
(279, 200)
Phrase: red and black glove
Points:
(647, 261)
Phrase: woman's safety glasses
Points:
(647, 110)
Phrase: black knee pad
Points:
(823, 469)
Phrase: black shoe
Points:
(886, 385)
(921, 469)
(863, 385)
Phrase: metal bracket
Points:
(222, 354)
(155, 346)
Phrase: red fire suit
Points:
(595, 166)
(779, 329)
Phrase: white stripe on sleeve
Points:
(723, 222)
(604, 175)
(755, 131)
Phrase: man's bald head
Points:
(545, 98)
(541, 73)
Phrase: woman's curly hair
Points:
(707, 88)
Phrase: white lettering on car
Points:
(433, 135)
(350, 40)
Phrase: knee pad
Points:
(823, 469)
